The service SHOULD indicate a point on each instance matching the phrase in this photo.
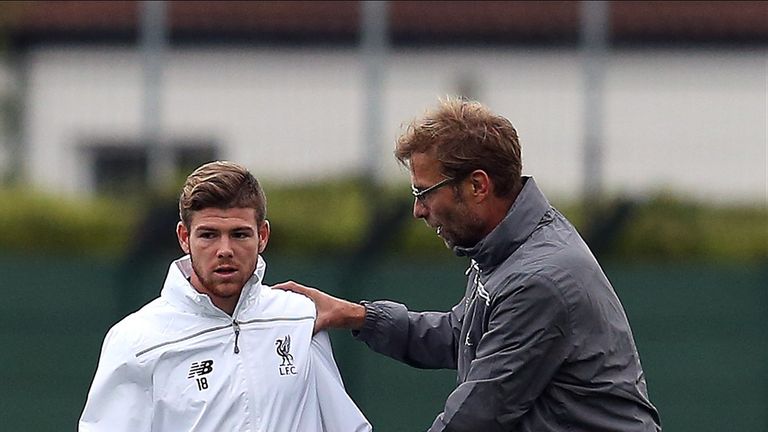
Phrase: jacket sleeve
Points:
(516, 357)
(120, 398)
(426, 340)
(337, 410)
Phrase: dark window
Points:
(120, 170)
(188, 157)
(123, 168)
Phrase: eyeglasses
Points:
(421, 194)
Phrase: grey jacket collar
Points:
(521, 220)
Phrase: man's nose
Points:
(420, 211)
(225, 248)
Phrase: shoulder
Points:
(285, 302)
(555, 255)
(140, 329)
(559, 274)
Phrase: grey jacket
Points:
(540, 340)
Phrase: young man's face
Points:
(451, 215)
(224, 245)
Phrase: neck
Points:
(226, 303)
(496, 213)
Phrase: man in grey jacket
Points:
(540, 340)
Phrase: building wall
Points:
(6, 89)
(690, 121)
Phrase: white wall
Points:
(6, 88)
(690, 121)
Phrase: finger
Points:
(291, 286)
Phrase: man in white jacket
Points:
(219, 350)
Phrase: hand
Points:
(332, 312)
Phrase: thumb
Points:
(294, 287)
(288, 286)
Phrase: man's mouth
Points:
(225, 270)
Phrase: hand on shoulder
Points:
(332, 312)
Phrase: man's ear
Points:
(182, 233)
(481, 184)
(263, 235)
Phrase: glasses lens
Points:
(422, 194)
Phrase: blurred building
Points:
(279, 87)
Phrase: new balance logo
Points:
(283, 348)
(199, 369)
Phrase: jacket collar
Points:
(178, 291)
(521, 220)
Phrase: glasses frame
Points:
(422, 194)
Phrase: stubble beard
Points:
(470, 227)
(209, 285)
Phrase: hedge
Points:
(345, 217)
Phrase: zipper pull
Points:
(236, 326)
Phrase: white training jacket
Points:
(182, 364)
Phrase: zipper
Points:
(236, 327)
(475, 281)
(476, 286)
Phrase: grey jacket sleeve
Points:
(516, 357)
(426, 340)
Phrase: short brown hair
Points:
(223, 185)
(466, 136)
